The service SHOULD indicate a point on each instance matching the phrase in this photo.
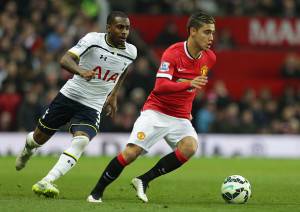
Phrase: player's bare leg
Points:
(33, 141)
(186, 148)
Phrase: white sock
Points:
(63, 165)
(68, 159)
(30, 142)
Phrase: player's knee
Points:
(131, 152)
(78, 145)
(80, 133)
(40, 137)
(188, 146)
(80, 142)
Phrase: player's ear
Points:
(108, 27)
(193, 30)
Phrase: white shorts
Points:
(152, 126)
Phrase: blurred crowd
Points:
(291, 66)
(253, 113)
(282, 8)
(34, 36)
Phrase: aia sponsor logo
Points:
(106, 75)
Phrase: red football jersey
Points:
(177, 63)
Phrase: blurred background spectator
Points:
(291, 66)
(257, 93)
(168, 36)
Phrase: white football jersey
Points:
(95, 53)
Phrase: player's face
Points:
(203, 36)
(118, 31)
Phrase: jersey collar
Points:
(105, 38)
(188, 53)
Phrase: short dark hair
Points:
(199, 18)
(114, 14)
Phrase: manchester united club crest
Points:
(204, 70)
(141, 136)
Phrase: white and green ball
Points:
(236, 189)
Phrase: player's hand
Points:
(88, 74)
(199, 82)
(111, 106)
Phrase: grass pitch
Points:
(194, 187)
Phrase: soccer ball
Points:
(236, 189)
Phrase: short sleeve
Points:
(82, 46)
(131, 51)
(167, 65)
(134, 52)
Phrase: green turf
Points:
(194, 187)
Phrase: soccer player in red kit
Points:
(167, 112)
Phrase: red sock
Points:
(180, 156)
(122, 160)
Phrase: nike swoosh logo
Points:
(181, 69)
(111, 177)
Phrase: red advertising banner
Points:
(245, 31)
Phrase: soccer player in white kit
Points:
(99, 62)
(166, 112)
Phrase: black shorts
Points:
(63, 110)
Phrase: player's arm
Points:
(115, 90)
(111, 101)
(166, 86)
(70, 62)
(164, 83)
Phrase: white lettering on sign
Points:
(274, 33)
